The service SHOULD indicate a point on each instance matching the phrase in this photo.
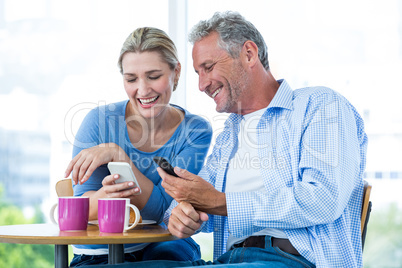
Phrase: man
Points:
(283, 185)
(289, 186)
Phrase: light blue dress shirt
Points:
(312, 148)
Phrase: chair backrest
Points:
(64, 188)
(366, 210)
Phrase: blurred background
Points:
(58, 60)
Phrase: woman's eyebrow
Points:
(147, 72)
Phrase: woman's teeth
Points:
(216, 93)
(148, 101)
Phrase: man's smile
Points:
(216, 92)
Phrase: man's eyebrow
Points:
(203, 65)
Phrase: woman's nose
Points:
(143, 87)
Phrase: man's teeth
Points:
(147, 101)
(216, 92)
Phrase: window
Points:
(58, 59)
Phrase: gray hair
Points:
(234, 30)
(148, 39)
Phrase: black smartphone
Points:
(165, 165)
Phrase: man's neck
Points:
(263, 90)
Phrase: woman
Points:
(135, 131)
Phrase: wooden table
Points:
(50, 234)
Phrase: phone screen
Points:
(125, 172)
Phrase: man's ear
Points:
(250, 51)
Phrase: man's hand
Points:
(195, 190)
(185, 220)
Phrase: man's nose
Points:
(203, 81)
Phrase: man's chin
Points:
(224, 107)
(222, 110)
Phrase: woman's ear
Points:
(177, 71)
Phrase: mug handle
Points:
(52, 214)
(137, 217)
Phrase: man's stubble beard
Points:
(236, 87)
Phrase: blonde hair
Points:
(149, 39)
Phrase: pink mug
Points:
(73, 213)
(114, 215)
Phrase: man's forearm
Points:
(214, 204)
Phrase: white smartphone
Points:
(125, 172)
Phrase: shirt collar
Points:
(233, 119)
(283, 97)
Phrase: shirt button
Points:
(215, 229)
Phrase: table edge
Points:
(88, 240)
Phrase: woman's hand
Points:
(85, 163)
(111, 189)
